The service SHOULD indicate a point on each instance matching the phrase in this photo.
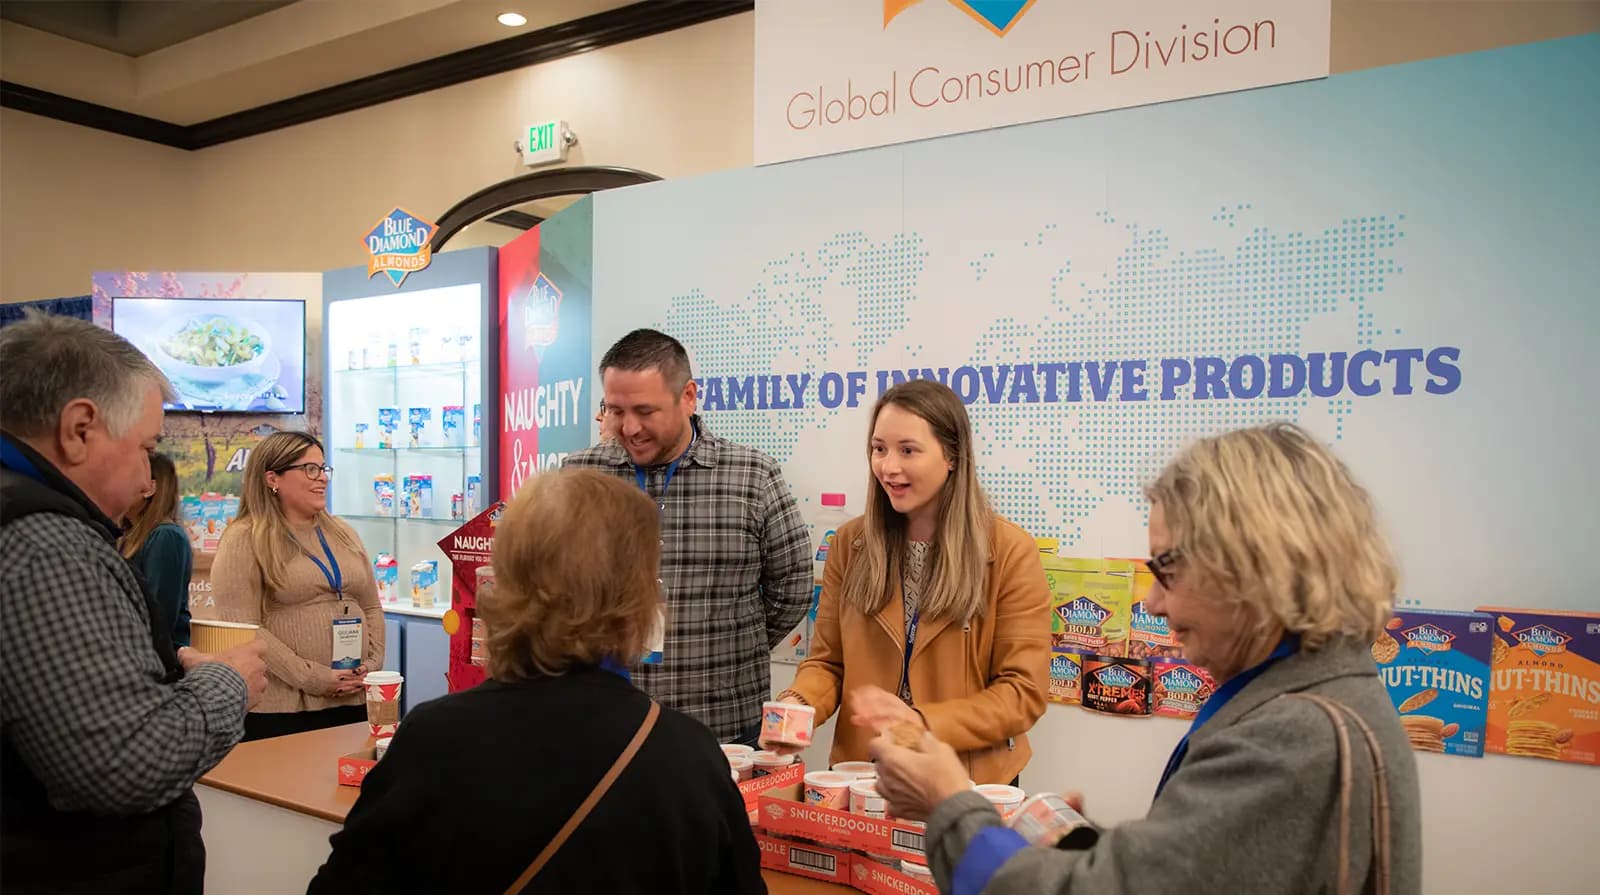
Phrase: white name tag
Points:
(348, 645)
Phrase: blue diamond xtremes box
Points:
(1436, 665)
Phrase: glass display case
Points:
(410, 378)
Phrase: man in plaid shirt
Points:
(735, 554)
(104, 727)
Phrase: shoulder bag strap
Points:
(599, 791)
(1339, 713)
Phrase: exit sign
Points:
(546, 142)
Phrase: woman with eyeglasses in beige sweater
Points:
(303, 576)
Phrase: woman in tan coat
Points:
(303, 576)
(930, 572)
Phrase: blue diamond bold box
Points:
(1436, 665)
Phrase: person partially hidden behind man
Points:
(106, 726)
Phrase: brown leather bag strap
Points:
(599, 791)
(1379, 872)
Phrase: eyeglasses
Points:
(313, 471)
(1161, 567)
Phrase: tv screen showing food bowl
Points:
(222, 355)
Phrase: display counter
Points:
(271, 805)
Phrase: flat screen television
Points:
(230, 355)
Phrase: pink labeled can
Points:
(825, 789)
(1046, 820)
(787, 723)
(769, 762)
(742, 766)
(864, 799)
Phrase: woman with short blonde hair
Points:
(573, 607)
(1297, 775)
(555, 607)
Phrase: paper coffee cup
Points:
(209, 636)
(383, 702)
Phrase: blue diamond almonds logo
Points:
(1083, 611)
(1542, 639)
(1116, 676)
(399, 245)
(1429, 639)
(1064, 669)
(1182, 680)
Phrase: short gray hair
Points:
(50, 361)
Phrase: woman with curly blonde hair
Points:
(1297, 775)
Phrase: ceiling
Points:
(191, 61)
(133, 28)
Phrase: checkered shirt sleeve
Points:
(81, 692)
(736, 571)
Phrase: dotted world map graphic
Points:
(1249, 289)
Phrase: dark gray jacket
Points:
(1254, 808)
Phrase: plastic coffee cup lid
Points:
(789, 706)
(865, 787)
(384, 677)
(856, 768)
(737, 749)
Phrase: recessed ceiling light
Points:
(512, 19)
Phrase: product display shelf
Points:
(399, 371)
(446, 450)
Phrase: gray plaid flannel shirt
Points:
(736, 571)
(81, 692)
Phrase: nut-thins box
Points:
(1435, 664)
(1545, 702)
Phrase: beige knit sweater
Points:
(297, 622)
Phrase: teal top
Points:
(167, 561)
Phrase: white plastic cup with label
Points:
(742, 765)
(381, 747)
(1046, 820)
(383, 702)
(1005, 799)
(787, 724)
(864, 799)
(825, 789)
(769, 762)
(860, 770)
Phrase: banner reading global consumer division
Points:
(898, 70)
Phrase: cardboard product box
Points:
(1544, 696)
(1090, 601)
(354, 767)
(831, 865)
(867, 875)
(783, 815)
(1435, 664)
(783, 784)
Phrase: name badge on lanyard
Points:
(347, 643)
(658, 635)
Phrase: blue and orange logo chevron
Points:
(996, 15)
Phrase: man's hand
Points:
(916, 781)
(249, 660)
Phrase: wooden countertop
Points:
(299, 772)
(785, 884)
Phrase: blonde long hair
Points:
(275, 546)
(162, 506)
(958, 558)
(1272, 520)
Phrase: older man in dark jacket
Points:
(105, 726)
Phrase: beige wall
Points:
(73, 200)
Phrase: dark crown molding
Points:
(604, 29)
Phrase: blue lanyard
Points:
(1288, 646)
(911, 643)
(672, 469)
(12, 457)
(331, 570)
